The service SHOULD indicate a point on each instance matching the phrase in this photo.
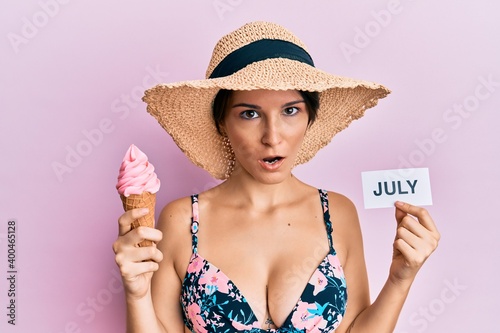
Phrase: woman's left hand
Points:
(416, 238)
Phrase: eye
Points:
(249, 114)
(291, 111)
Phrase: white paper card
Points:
(382, 188)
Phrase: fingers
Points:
(134, 261)
(414, 250)
(409, 237)
(125, 221)
(416, 237)
(413, 226)
(131, 273)
(134, 237)
(403, 209)
(137, 264)
(144, 233)
(399, 214)
(131, 270)
(136, 255)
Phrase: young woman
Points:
(262, 251)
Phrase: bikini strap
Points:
(323, 194)
(194, 223)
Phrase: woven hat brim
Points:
(183, 109)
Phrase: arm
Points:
(175, 223)
(416, 239)
(151, 306)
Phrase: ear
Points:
(222, 128)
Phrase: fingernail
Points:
(144, 210)
(399, 204)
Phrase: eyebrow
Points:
(246, 105)
(253, 106)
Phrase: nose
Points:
(271, 135)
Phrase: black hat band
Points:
(257, 51)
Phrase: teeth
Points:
(274, 160)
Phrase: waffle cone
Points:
(144, 200)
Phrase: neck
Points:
(246, 190)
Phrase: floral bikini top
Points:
(211, 302)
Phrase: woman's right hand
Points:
(137, 264)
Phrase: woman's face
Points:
(266, 129)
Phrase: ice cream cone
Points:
(144, 200)
(137, 185)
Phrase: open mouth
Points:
(272, 160)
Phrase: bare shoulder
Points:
(346, 229)
(342, 208)
(176, 214)
(175, 224)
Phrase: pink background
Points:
(72, 69)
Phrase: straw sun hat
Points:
(259, 55)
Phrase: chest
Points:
(211, 299)
(267, 260)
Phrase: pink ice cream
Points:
(136, 175)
